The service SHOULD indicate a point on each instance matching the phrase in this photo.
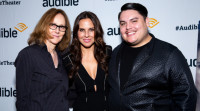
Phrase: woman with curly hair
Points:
(87, 63)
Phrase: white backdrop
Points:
(174, 21)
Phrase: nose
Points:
(86, 34)
(57, 30)
(128, 26)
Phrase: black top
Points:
(87, 98)
(160, 80)
(40, 87)
(127, 59)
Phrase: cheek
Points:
(92, 34)
(80, 35)
(49, 31)
(137, 26)
(122, 30)
(62, 34)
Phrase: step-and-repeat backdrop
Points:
(174, 21)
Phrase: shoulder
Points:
(67, 57)
(168, 50)
(66, 54)
(160, 44)
(108, 47)
(165, 46)
(108, 50)
(29, 51)
(25, 54)
(116, 49)
(33, 47)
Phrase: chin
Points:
(87, 46)
(55, 43)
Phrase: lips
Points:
(56, 36)
(86, 40)
(130, 33)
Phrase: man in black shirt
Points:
(145, 73)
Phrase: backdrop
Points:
(174, 21)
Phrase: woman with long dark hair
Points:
(87, 63)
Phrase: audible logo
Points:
(5, 2)
(152, 22)
(113, 31)
(21, 27)
(6, 63)
(192, 62)
(8, 33)
(7, 92)
(51, 3)
(189, 27)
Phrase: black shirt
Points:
(40, 86)
(127, 59)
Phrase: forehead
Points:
(86, 23)
(129, 14)
(59, 19)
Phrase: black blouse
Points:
(87, 98)
(40, 86)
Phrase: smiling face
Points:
(134, 28)
(55, 34)
(86, 33)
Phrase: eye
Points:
(122, 23)
(62, 27)
(91, 29)
(53, 25)
(133, 21)
(81, 30)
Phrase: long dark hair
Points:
(99, 44)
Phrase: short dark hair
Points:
(134, 6)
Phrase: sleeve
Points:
(183, 90)
(23, 80)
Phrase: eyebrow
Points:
(57, 24)
(134, 18)
(84, 28)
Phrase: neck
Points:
(144, 42)
(51, 50)
(50, 47)
(87, 52)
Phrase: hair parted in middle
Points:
(99, 44)
(40, 33)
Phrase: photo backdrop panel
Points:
(175, 22)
